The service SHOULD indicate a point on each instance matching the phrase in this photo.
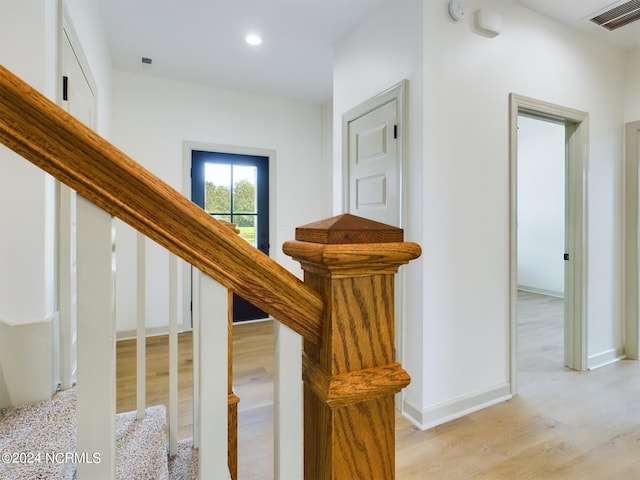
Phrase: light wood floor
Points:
(562, 424)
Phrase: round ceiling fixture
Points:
(253, 39)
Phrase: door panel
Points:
(374, 173)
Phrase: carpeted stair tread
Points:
(45, 431)
(184, 465)
(41, 432)
(141, 445)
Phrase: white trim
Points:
(49, 319)
(149, 332)
(541, 291)
(605, 358)
(577, 127)
(631, 239)
(425, 418)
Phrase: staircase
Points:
(37, 441)
(344, 311)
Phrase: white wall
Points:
(27, 43)
(541, 192)
(632, 87)
(457, 341)
(468, 78)
(153, 117)
(28, 47)
(380, 53)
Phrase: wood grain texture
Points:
(350, 378)
(232, 435)
(233, 399)
(347, 228)
(329, 259)
(40, 131)
(350, 388)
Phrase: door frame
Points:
(400, 93)
(65, 346)
(187, 149)
(576, 235)
(631, 257)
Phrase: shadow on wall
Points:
(5, 399)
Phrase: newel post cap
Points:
(346, 240)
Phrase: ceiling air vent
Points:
(619, 16)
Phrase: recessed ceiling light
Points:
(253, 39)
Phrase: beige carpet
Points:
(33, 437)
(37, 440)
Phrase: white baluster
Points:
(173, 354)
(195, 323)
(141, 333)
(213, 347)
(96, 390)
(287, 404)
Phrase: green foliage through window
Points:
(217, 199)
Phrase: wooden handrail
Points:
(46, 135)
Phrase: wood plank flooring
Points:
(562, 424)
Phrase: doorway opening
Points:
(541, 243)
(235, 188)
(542, 221)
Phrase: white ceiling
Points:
(203, 40)
(577, 13)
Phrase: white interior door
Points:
(374, 173)
(77, 97)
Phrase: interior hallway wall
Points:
(29, 32)
(458, 351)
(152, 117)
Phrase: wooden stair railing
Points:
(344, 310)
(350, 378)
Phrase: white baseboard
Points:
(605, 358)
(425, 418)
(149, 332)
(541, 291)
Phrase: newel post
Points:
(351, 377)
